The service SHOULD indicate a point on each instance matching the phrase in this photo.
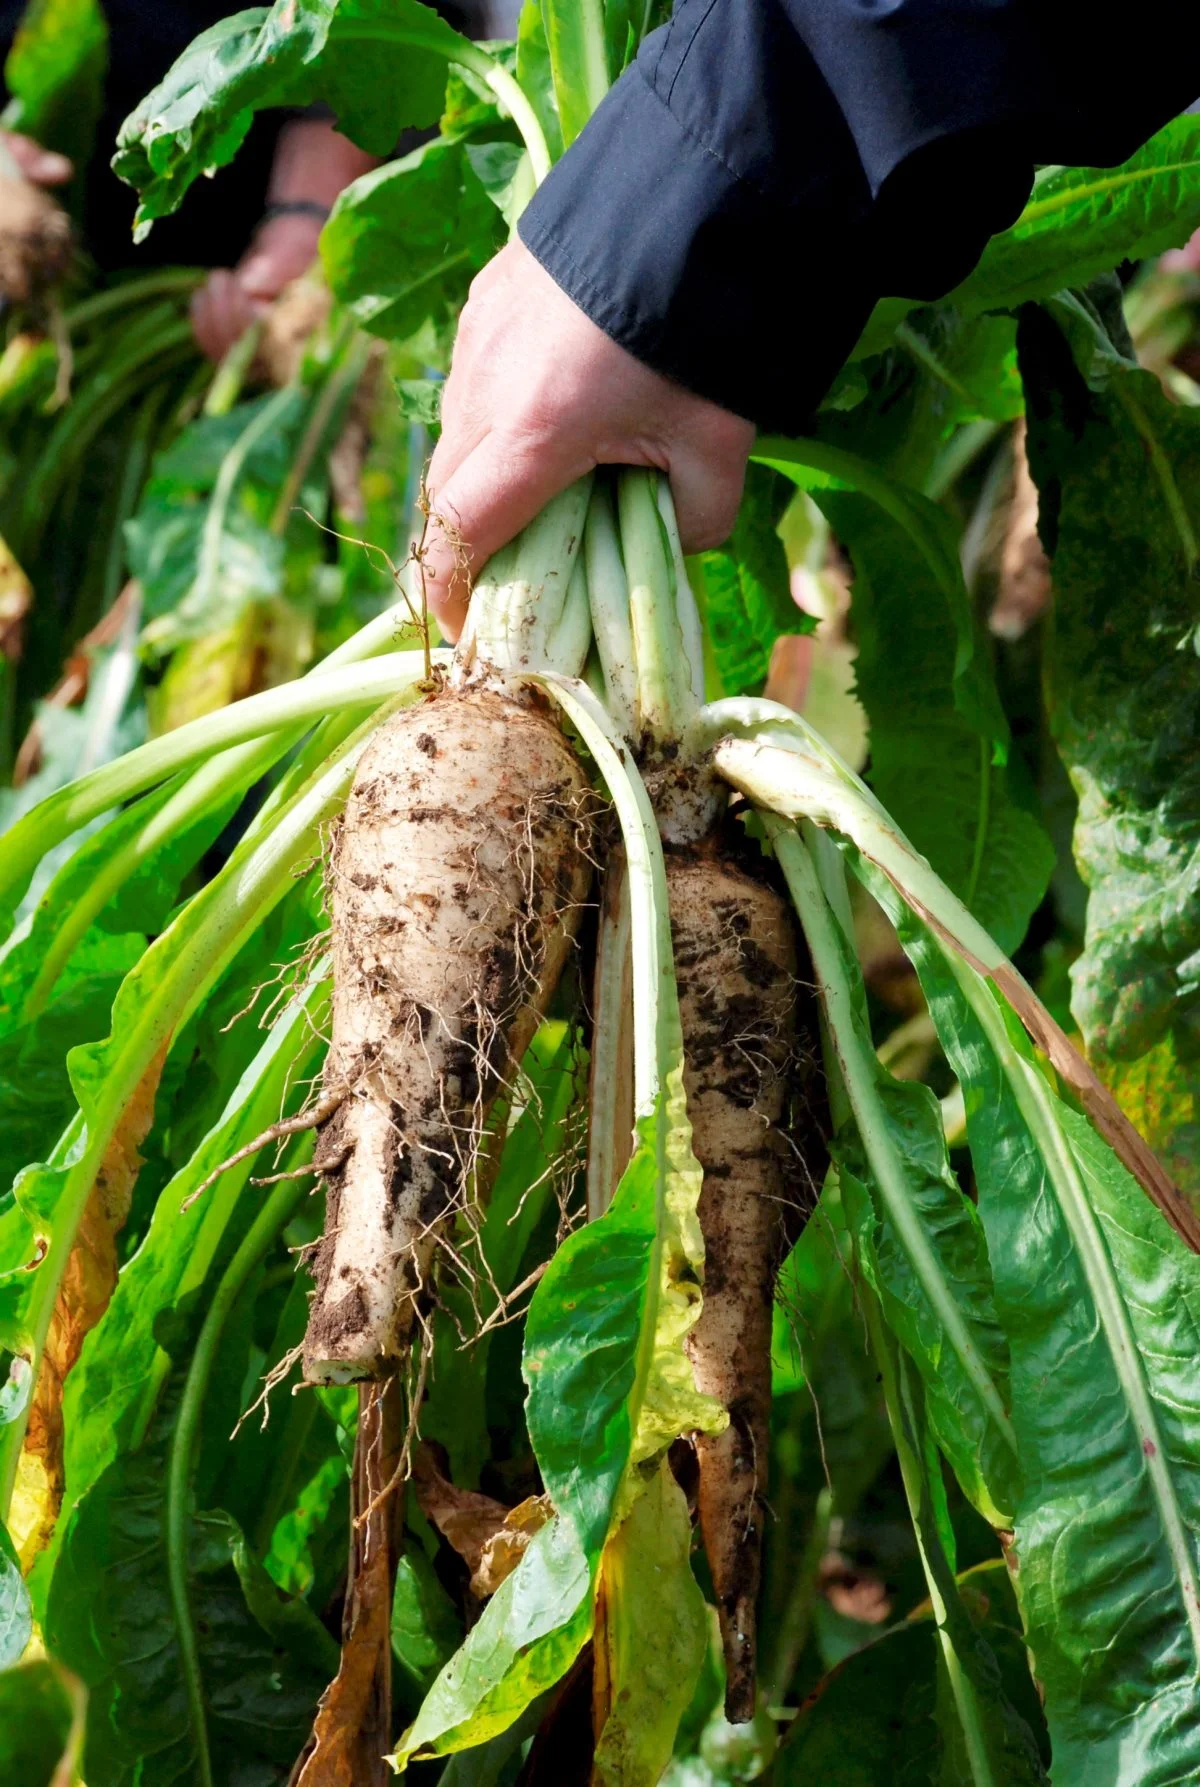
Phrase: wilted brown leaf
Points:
(489, 1537)
(83, 1296)
(16, 596)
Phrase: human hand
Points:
(313, 164)
(1185, 259)
(229, 300)
(538, 395)
(44, 167)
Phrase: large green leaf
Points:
(263, 1657)
(55, 75)
(1118, 466)
(917, 1237)
(403, 243)
(112, 1395)
(942, 369)
(985, 1740)
(109, 1618)
(1079, 222)
(1083, 221)
(538, 1145)
(874, 1717)
(934, 772)
(1101, 1305)
(380, 65)
(819, 466)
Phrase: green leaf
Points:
(819, 467)
(875, 1716)
(426, 1628)
(579, 59)
(918, 1238)
(1101, 1305)
(108, 1617)
(985, 1741)
(35, 1724)
(298, 52)
(201, 543)
(539, 1142)
(654, 1635)
(747, 594)
(420, 400)
(1118, 467)
(34, 1083)
(1079, 222)
(932, 770)
(111, 1396)
(1083, 221)
(536, 74)
(943, 370)
(288, 1619)
(404, 242)
(55, 75)
(16, 1615)
(525, 1640)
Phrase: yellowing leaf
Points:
(88, 1280)
(651, 1637)
(671, 1403)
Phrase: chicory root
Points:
(458, 875)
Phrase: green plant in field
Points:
(999, 1386)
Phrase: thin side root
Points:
(324, 1108)
(404, 1466)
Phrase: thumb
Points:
(496, 491)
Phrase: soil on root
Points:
(458, 875)
(756, 1102)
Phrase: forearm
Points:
(314, 163)
(769, 168)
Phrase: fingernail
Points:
(50, 166)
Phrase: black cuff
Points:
(749, 297)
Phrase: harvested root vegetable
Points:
(35, 240)
(458, 875)
(749, 1046)
(299, 311)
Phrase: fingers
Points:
(220, 312)
(43, 166)
(707, 473)
(489, 497)
(283, 249)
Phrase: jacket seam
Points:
(686, 51)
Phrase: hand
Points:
(228, 301)
(538, 395)
(1185, 259)
(42, 166)
(313, 163)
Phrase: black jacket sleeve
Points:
(767, 169)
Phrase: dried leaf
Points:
(505, 1549)
(489, 1537)
(16, 597)
(88, 1281)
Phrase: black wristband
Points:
(296, 208)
